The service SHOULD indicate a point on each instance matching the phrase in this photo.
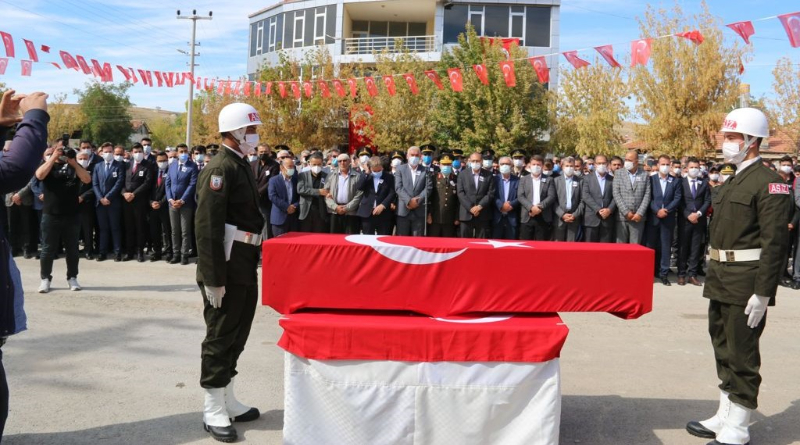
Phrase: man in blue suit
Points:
(505, 219)
(180, 187)
(107, 182)
(379, 195)
(667, 194)
(282, 190)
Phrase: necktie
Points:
(134, 167)
(694, 188)
(159, 179)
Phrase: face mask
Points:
(87, 151)
(316, 169)
(456, 164)
(663, 169)
(694, 172)
(505, 169)
(629, 166)
(289, 172)
(414, 161)
(147, 149)
(163, 165)
(335, 162)
(377, 174)
(602, 169)
(786, 169)
(536, 170)
(569, 171)
(396, 162)
(364, 159)
(487, 163)
(475, 166)
(519, 163)
(84, 163)
(556, 169)
(676, 171)
(732, 153)
(703, 168)
(427, 159)
(447, 169)
(183, 157)
(252, 158)
(199, 158)
(137, 157)
(544, 172)
(108, 157)
(714, 177)
(118, 158)
(591, 167)
(578, 173)
(724, 178)
(170, 161)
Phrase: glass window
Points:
(308, 39)
(537, 27)
(455, 19)
(299, 22)
(360, 25)
(520, 9)
(288, 28)
(476, 18)
(378, 29)
(417, 29)
(273, 33)
(496, 21)
(319, 25)
(518, 27)
(398, 29)
(253, 37)
(330, 24)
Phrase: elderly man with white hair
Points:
(413, 185)
(344, 197)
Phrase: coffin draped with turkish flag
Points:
(441, 277)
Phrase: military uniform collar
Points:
(745, 168)
(241, 155)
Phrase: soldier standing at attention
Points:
(748, 241)
(227, 196)
(443, 211)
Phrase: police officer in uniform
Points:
(443, 212)
(227, 198)
(428, 151)
(458, 160)
(748, 242)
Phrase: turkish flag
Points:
(744, 29)
(308, 87)
(258, 87)
(434, 76)
(97, 70)
(125, 73)
(169, 79)
(158, 78)
(149, 78)
(282, 89)
(84, 66)
(390, 86)
(247, 89)
(268, 89)
(372, 89)
(188, 76)
(8, 41)
(741, 66)
(337, 85)
(323, 88)
(69, 61)
(31, 50)
(45, 49)
(52, 63)
(640, 52)
(211, 85)
(695, 36)
(539, 65)
(237, 88)
(27, 67)
(143, 76)
(133, 75)
(180, 79)
(456, 79)
(105, 73)
(221, 87)
(507, 68)
(412, 82)
(3, 65)
(295, 89)
(607, 51)
(791, 23)
(353, 86)
(577, 62)
(483, 75)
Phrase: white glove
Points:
(756, 308)
(214, 295)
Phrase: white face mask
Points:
(87, 151)
(714, 177)
(147, 149)
(475, 166)
(601, 169)
(663, 169)
(569, 171)
(108, 157)
(694, 172)
(629, 165)
(519, 163)
(676, 171)
(487, 163)
(786, 169)
(163, 165)
(84, 163)
(732, 152)
(413, 160)
(137, 157)
(171, 160)
(119, 158)
(289, 172)
(252, 158)
(316, 169)
(578, 173)
(505, 169)
(396, 162)
(724, 178)
(536, 170)
(364, 159)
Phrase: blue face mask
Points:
(557, 168)
(183, 157)
(335, 163)
(456, 164)
(427, 159)
(377, 174)
(447, 169)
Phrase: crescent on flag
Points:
(402, 254)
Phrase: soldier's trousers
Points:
(227, 329)
(736, 352)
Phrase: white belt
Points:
(254, 239)
(735, 256)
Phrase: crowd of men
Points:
(121, 203)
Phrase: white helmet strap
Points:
(239, 134)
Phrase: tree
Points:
(105, 107)
(167, 132)
(685, 95)
(784, 109)
(588, 111)
(64, 118)
(489, 116)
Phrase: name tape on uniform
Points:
(779, 189)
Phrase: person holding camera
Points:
(61, 176)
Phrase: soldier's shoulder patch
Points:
(779, 189)
(215, 183)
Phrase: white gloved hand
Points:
(756, 308)
(214, 295)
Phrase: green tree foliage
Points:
(784, 109)
(105, 107)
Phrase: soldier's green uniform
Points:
(444, 207)
(750, 212)
(226, 194)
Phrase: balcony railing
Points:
(369, 45)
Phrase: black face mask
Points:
(266, 157)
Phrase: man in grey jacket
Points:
(343, 197)
(413, 185)
(632, 195)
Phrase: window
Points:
(495, 21)
(273, 33)
(299, 23)
(417, 29)
(288, 26)
(516, 23)
(454, 19)
(537, 26)
(320, 25)
(475, 17)
(260, 37)
(253, 43)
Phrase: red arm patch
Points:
(779, 189)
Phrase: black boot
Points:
(225, 434)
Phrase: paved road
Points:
(118, 363)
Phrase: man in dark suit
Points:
(136, 196)
(311, 188)
(667, 195)
(414, 186)
(379, 194)
(475, 196)
(568, 207)
(505, 218)
(285, 200)
(537, 196)
(599, 208)
(692, 223)
(263, 170)
(180, 186)
(160, 227)
(107, 182)
(86, 206)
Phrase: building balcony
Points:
(371, 45)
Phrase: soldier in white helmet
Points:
(748, 241)
(227, 204)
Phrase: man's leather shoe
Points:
(698, 430)
(715, 442)
(184, 260)
(225, 434)
(155, 258)
(175, 260)
(28, 255)
(168, 258)
(665, 281)
(249, 416)
(89, 256)
(118, 258)
(695, 281)
(681, 281)
(140, 257)
(101, 257)
(127, 257)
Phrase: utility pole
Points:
(194, 18)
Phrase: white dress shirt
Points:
(537, 189)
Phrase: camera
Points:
(69, 153)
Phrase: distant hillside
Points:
(145, 114)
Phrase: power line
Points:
(120, 12)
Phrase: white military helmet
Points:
(747, 121)
(236, 116)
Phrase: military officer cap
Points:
(212, 147)
(518, 153)
(364, 151)
(728, 169)
(714, 169)
(282, 147)
(427, 148)
(446, 158)
(488, 153)
(458, 153)
(398, 154)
